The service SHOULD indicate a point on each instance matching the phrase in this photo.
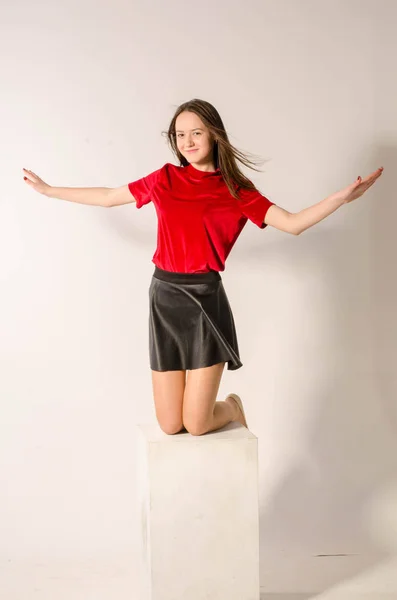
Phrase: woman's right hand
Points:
(36, 183)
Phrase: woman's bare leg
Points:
(201, 413)
(168, 391)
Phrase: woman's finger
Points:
(30, 172)
(376, 173)
(32, 176)
(371, 178)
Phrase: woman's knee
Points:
(171, 427)
(196, 426)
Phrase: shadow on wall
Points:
(319, 506)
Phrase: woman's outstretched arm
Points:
(98, 196)
(296, 223)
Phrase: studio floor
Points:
(116, 580)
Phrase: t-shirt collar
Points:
(201, 174)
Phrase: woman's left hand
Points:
(357, 189)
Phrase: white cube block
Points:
(199, 517)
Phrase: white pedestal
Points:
(199, 517)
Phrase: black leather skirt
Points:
(191, 323)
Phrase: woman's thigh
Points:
(168, 392)
(200, 395)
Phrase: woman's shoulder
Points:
(170, 173)
(171, 168)
(168, 169)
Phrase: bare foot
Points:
(237, 412)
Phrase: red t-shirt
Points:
(199, 221)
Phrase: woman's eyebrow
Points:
(195, 129)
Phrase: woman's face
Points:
(193, 138)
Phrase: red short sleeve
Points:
(142, 189)
(254, 206)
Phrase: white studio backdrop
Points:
(87, 88)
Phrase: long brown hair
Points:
(225, 154)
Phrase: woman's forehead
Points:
(188, 121)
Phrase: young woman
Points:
(202, 206)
